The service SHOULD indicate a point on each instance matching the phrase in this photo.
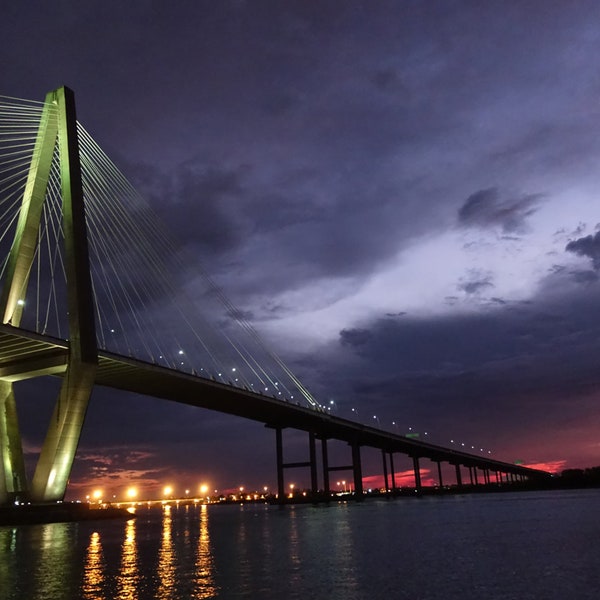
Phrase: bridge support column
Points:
(357, 471)
(281, 466)
(439, 469)
(325, 462)
(314, 485)
(458, 475)
(385, 471)
(475, 476)
(280, 481)
(393, 471)
(417, 471)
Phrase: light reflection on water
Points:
(128, 578)
(166, 558)
(94, 569)
(204, 579)
(525, 546)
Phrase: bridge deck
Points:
(24, 354)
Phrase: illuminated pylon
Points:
(57, 133)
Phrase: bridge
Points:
(95, 315)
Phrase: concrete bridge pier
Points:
(385, 471)
(417, 471)
(325, 464)
(394, 487)
(357, 472)
(458, 475)
(439, 470)
(311, 463)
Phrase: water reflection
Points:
(294, 549)
(204, 581)
(166, 558)
(8, 545)
(129, 578)
(55, 562)
(93, 580)
(343, 561)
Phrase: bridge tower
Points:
(57, 133)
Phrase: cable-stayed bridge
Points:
(95, 292)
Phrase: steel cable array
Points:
(145, 307)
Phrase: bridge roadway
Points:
(25, 354)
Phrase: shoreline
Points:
(63, 512)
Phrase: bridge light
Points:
(168, 491)
(132, 493)
(233, 369)
(20, 302)
(180, 352)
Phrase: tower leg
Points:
(13, 480)
(58, 452)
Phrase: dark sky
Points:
(402, 195)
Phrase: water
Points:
(517, 546)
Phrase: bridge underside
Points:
(24, 355)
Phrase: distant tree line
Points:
(589, 477)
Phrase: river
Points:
(525, 545)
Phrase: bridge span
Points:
(25, 354)
(56, 189)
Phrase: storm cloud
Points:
(485, 208)
(587, 246)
